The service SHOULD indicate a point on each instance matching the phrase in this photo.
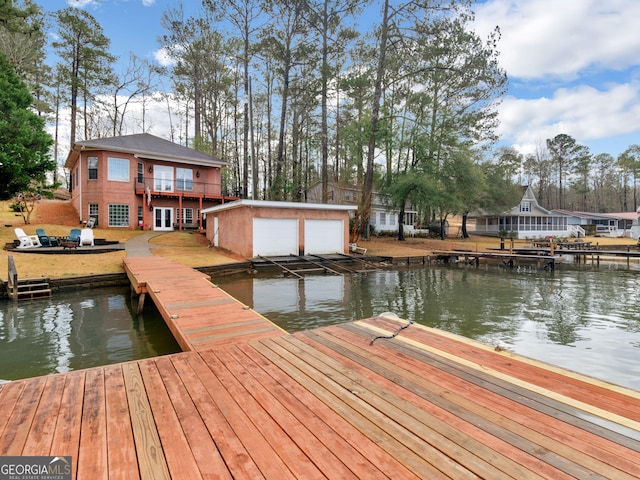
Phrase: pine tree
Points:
(24, 143)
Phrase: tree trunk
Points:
(465, 234)
(364, 209)
(401, 223)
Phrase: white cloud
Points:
(542, 38)
(572, 67)
(163, 57)
(148, 3)
(583, 112)
(82, 3)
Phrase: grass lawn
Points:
(191, 249)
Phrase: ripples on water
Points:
(582, 319)
(77, 330)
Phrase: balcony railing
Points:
(181, 188)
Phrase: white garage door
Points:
(323, 236)
(275, 236)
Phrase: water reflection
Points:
(582, 319)
(77, 330)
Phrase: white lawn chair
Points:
(86, 237)
(27, 241)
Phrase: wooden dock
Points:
(508, 259)
(329, 403)
(199, 314)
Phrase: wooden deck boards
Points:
(325, 403)
(198, 313)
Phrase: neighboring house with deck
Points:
(143, 181)
(525, 220)
(621, 224)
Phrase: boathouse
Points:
(254, 227)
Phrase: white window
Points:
(392, 219)
(118, 169)
(163, 178)
(383, 218)
(525, 207)
(184, 179)
(93, 168)
(93, 212)
(187, 215)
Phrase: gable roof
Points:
(145, 145)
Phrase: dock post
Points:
(141, 298)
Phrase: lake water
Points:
(583, 319)
(74, 330)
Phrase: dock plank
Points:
(327, 403)
(176, 375)
(176, 450)
(458, 405)
(464, 435)
(571, 453)
(261, 451)
(186, 299)
(306, 410)
(312, 450)
(93, 463)
(399, 444)
(44, 422)
(437, 435)
(66, 440)
(19, 425)
(121, 451)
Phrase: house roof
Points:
(589, 215)
(145, 145)
(272, 204)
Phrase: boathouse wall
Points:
(251, 228)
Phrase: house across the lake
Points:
(621, 224)
(143, 181)
(383, 218)
(528, 220)
(525, 220)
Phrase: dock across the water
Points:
(546, 262)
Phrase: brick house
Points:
(143, 181)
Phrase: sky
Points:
(573, 65)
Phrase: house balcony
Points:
(183, 189)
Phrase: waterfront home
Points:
(143, 181)
(527, 219)
(383, 217)
(621, 224)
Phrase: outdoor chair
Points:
(46, 240)
(27, 241)
(74, 236)
(86, 237)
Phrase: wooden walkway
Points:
(327, 403)
(199, 314)
(507, 259)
